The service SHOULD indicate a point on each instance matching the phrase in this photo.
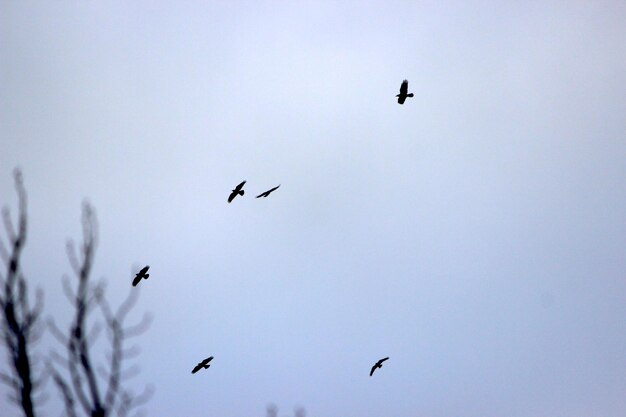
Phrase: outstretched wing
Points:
(373, 369)
(383, 360)
(401, 99)
(196, 368)
(268, 192)
(231, 196)
(136, 280)
(238, 188)
(207, 360)
(404, 88)
(144, 270)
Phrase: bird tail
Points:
(241, 192)
(206, 366)
(410, 95)
(147, 276)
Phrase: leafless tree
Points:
(88, 387)
(20, 321)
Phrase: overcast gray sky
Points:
(476, 234)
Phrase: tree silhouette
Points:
(87, 386)
(97, 389)
(20, 321)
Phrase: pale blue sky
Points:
(476, 235)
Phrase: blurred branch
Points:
(66, 392)
(19, 319)
(99, 390)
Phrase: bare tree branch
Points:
(71, 256)
(75, 375)
(66, 392)
(4, 253)
(8, 224)
(67, 289)
(139, 328)
(56, 332)
(18, 317)
(97, 389)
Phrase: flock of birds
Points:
(238, 190)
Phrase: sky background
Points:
(476, 234)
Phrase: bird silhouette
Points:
(237, 191)
(268, 192)
(204, 364)
(141, 275)
(379, 364)
(403, 92)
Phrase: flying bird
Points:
(379, 364)
(268, 192)
(237, 191)
(403, 92)
(141, 275)
(204, 364)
